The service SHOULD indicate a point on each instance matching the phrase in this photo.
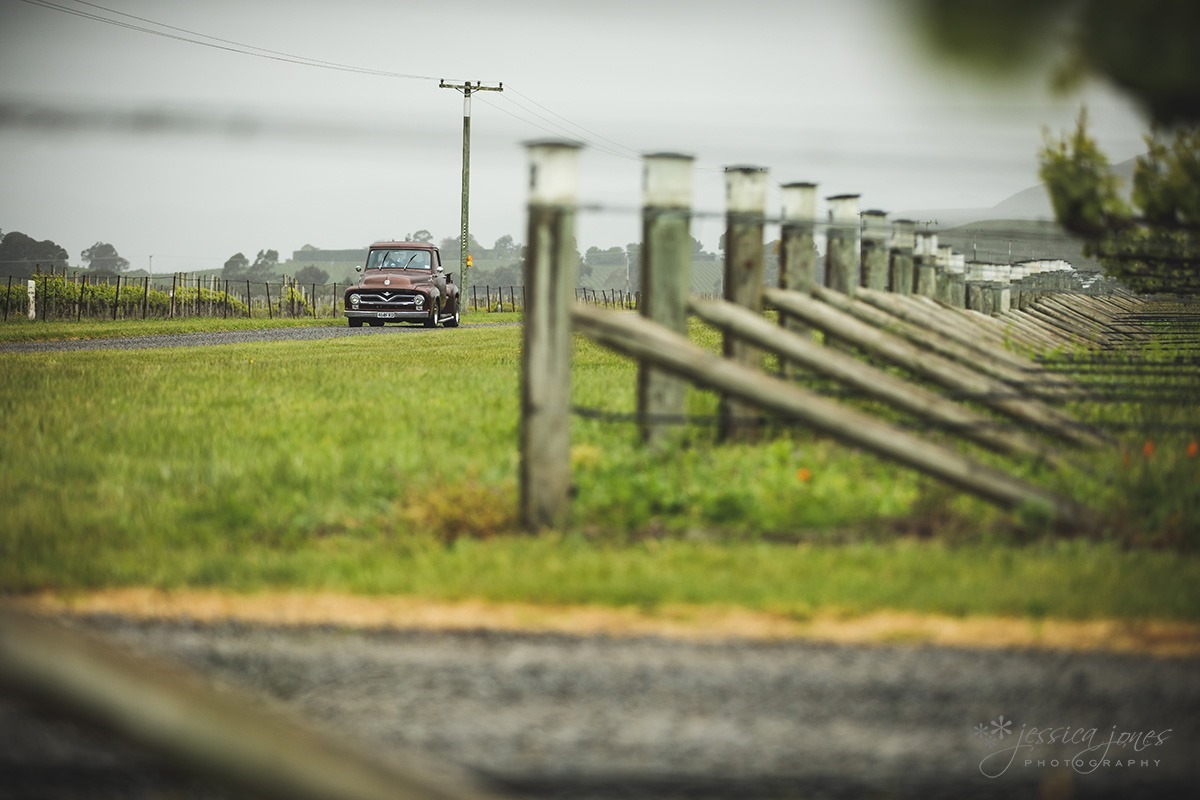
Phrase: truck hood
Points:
(401, 279)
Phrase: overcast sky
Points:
(839, 93)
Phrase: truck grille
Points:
(391, 301)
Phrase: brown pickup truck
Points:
(403, 282)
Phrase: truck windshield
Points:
(399, 259)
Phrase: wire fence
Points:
(76, 296)
(1132, 388)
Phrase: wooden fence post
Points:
(957, 268)
(941, 280)
(666, 256)
(988, 290)
(875, 249)
(924, 258)
(797, 252)
(842, 267)
(974, 287)
(1016, 278)
(991, 289)
(550, 273)
(1004, 289)
(745, 209)
(900, 277)
(31, 288)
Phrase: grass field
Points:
(388, 465)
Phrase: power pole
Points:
(467, 90)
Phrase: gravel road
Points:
(213, 338)
(607, 717)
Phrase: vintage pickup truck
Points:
(403, 282)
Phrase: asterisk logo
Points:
(981, 730)
(1002, 727)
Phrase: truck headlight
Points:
(354, 300)
(419, 302)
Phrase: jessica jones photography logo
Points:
(1085, 750)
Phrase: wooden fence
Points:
(185, 721)
(63, 295)
(891, 298)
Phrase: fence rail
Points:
(904, 321)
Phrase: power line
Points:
(215, 42)
(557, 130)
(572, 124)
(190, 36)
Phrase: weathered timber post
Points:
(941, 280)
(955, 281)
(991, 288)
(1003, 289)
(875, 249)
(797, 252)
(974, 287)
(924, 256)
(983, 279)
(842, 267)
(31, 288)
(1017, 273)
(1029, 284)
(900, 268)
(550, 274)
(745, 209)
(666, 257)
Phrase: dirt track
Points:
(558, 715)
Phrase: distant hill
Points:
(1034, 202)
(1018, 228)
(1028, 204)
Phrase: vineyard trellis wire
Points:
(64, 295)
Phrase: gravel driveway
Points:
(605, 717)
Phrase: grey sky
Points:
(834, 92)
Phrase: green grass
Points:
(22, 330)
(386, 464)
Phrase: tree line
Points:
(21, 256)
